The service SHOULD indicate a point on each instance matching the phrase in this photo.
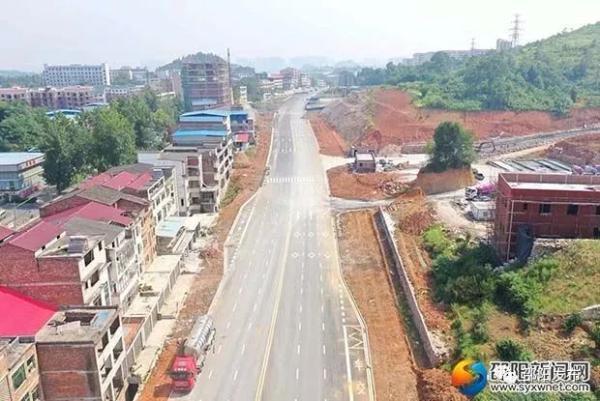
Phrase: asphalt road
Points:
(286, 329)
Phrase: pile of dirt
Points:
(582, 150)
(434, 384)
(344, 183)
(330, 142)
(410, 212)
(364, 271)
(446, 181)
(380, 117)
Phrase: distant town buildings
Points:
(21, 174)
(503, 44)
(205, 82)
(69, 97)
(76, 74)
(530, 205)
(138, 75)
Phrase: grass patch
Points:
(233, 189)
(573, 285)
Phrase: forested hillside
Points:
(553, 74)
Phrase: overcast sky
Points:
(149, 32)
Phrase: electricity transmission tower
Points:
(515, 30)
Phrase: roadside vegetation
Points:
(517, 312)
(554, 74)
(95, 141)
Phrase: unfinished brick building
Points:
(544, 206)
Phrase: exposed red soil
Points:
(364, 270)
(247, 175)
(396, 121)
(343, 183)
(412, 216)
(446, 181)
(330, 142)
(581, 150)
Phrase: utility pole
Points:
(516, 30)
(472, 46)
(229, 75)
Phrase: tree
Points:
(64, 144)
(113, 138)
(452, 147)
(20, 126)
(511, 350)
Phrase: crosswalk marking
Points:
(289, 180)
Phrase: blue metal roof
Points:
(202, 132)
(215, 112)
(204, 119)
(64, 111)
(12, 158)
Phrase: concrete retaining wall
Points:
(409, 292)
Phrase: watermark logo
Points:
(469, 377)
(539, 377)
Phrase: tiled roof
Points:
(27, 316)
(34, 237)
(79, 226)
(92, 211)
(108, 196)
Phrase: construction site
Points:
(384, 258)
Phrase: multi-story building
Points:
(530, 206)
(112, 93)
(136, 208)
(19, 377)
(44, 262)
(243, 95)
(21, 174)
(76, 74)
(155, 184)
(137, 74)
(276, 82)
(305, 81)
(81, 355)
(291, 78)
(205, 82)
(14, 94)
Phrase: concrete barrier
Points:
(433, 354)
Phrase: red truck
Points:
(191, 355)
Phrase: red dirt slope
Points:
(397, 121)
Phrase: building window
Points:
(572, 210)
(19, 377)
(100, 245)
(597, 210)
(596, 232)
(31, 364)
(525, 205)
(545, 208)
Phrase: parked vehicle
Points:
(191, 355)
(480, 191)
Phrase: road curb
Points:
(361, 321)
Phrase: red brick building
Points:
(544, 206)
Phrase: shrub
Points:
(516, 294)
(436, 241)
(571, 322)
(511, 350)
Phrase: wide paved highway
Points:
(286, 329)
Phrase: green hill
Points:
(553, 74)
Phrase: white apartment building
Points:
(76, 74)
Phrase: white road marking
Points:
(323, 326)
(249, 325)
(234, 307)
(324, 373)
(254, 307)
(321, 290)
(348, 367)
(301, 290)
(228, 324)
(235, 375)
(324, 350)
(297, 373)
(300, 326)
(210, 374)
(322, 308)
(300, 308)
(243, 349)
(240, 290)
(298, 349)
(219, 349)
